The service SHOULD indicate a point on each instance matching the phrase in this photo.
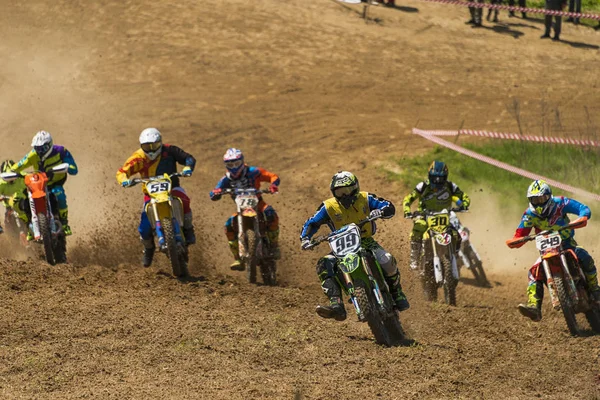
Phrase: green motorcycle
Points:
(362, 279)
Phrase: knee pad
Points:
(419, 228)
(326, 267)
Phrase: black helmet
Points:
(344, 187)
(6, 165)
(438, 174)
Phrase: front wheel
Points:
(179, 268)
(566, 305)
(450, 281)
(367, 304)
(252, 259)
(46, 238)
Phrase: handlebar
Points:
(248, 190)
(424, 213)
(578, 223)
(153, 178)
(320, 239)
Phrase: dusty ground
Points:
(305, 88)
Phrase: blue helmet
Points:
(438, 174)
(234, 162)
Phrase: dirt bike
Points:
(43, 223)
(14, 227)
(568, 287)
(165, 213)
(363, 280)
(438, 255)
(467, 255)
(253, 243)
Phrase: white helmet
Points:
(42, 144)
(151, 142)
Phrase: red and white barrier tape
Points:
(431, 136)
(518, 9)
(515, 136)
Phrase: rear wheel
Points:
(566, 306)
(449, 281)
(268, 269)
(179, 270)
(252, 260)
(46, 238)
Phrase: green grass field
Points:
(575, 166)
(587, 6)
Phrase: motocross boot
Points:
(1, 230)
(415, 254)
(274, 244)
(533, 308)
(335, 309)
(64, 220)
(398, 295)
(237, 265)
(188, 229)
(592, 280)
(149, 249)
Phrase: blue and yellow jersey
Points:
(165, 163)
(57, 156)
(332, 214)
(558, 218)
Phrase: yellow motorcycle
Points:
(165, 213)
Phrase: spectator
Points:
(574, 6)
(476, 14)
(521, 4)
(555, 5)
(489, 14)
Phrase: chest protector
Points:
(358, 211)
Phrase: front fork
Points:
(375, 287)
(437, 263)
(160, 235)
(243, 251)
(552, 285)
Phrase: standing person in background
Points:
(574, 6)
(476, 15)
(521, 4)
(555, 5)
(489, 14)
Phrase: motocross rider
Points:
(13, 193)
(350, 205)
(240, 176)
(434, 194)
(155, 158)
(44, 156)
(548, 212)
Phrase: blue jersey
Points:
(322, 217)
(558, 218)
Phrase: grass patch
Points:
(576, 166)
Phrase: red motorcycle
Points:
(564, 277)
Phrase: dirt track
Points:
(304, 88)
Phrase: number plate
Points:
(158, 187)
(345, 242)
(438, 222)
(246, 201)
(548, 241)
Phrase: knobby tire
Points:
(46, 238)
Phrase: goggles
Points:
(344, 191)
(234, 164)
(539, 200)
(43, 149)
(150, 147)
(437, 179)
